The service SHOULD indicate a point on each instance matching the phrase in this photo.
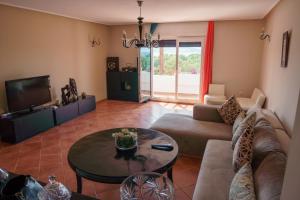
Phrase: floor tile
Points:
(189, 190)
(185, 177)
(180, 195)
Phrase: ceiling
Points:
(112, 12)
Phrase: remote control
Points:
(163, 147)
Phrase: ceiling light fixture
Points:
(141, 42)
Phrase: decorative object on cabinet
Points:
(73, 88)
(83, 95)
(112, 64)
(285, 49)
(65, 95)
(69, 92)
(129, 69)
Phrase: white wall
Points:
(237, 56)
(281, 85)
(292, 176)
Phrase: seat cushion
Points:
(190, 134)
(216, 172)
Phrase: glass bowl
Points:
(147, 186)
(56, 190)
(4, 176)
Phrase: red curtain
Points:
(208, 59)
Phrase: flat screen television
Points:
(24, 94)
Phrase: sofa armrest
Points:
(206, 113)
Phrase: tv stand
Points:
(17, 127)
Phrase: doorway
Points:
(177, 70)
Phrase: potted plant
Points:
(126, 139)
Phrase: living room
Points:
(240, 46)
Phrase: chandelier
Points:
(140, 42)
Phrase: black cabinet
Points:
(123, 86)
(86, 105)
(16, 128)
(67, 112)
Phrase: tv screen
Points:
(26, 93)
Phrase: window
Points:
(176, 70)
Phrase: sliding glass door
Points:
(176, 70)
(164, 73)
(145, 74)
(189, 66)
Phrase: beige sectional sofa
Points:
(204, 134)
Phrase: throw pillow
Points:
(243, 152)
(248, 122)
(238, 120)
(230, 110)
(242, 185)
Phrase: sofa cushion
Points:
(191, 135)
(230, 110)
(283, 139)
(216, 172)
(242, 152)
(265, 142)
(268, 115)
(247, 123)
(246, 103)
(207, 113)
(238, 120)
(268, 178)
(214, 100)
(242, 186)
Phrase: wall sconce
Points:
(94, 42)
(263, 35)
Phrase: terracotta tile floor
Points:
(46, 153)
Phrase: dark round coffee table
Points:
(95, 157)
